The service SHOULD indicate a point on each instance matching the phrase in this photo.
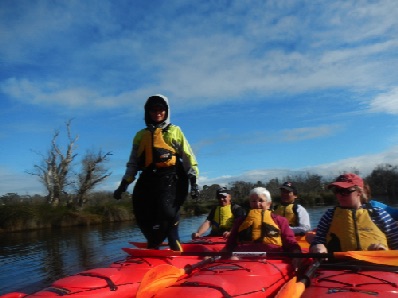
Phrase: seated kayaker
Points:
(353, 225)
(221, 217)
(261, 230)
(297, 215)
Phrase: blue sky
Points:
(261, 89)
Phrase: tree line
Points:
(70, 185)
(312, 188)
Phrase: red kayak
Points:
(199, 271)
(226, 278)
(211, 277)
(353, 280)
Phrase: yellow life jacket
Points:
(353, 229)
(223, 219)
(154, 150)
(261, 228)
(289, 212)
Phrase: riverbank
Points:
(25, 217)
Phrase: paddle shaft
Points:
(144, 244)
(190, 267)
(171, 253)
(309, 273)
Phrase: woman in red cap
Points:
(352, 225)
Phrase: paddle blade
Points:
(288, 289)
(158, 278)
(291, 289)
(383, 257)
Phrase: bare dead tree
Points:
(53, 171)
(93, 172)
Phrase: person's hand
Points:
(225, 235)
(296, 263)
(377, 246)
(117, 194)
(194, 191)
(318, 248)
(194, 187)
(194, 236)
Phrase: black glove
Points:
(117, 194)
(194, 188)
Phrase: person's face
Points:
(224, 200)
(157, 113)
(287, 196)
(259, 202)
(348, 197)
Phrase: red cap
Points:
(347, 180)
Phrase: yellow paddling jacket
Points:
(259, 226)
(353, 229)
(289, 212)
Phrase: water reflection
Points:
(32, 260)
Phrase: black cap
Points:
(223, 191)
(289, 186)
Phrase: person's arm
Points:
(202, 229)
(232, 239)
(289, 241)
(319, 241)
(185, 151)
(387, 225)
(304, 224)
(188, 158)
(131, 168)
(132, 164)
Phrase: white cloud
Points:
(385, 102)
(21, 183)
(364, 164)
(238, 49)
(306, 133)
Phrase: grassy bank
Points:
(27, 216)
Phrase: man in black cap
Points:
(221, 217)
(297, 215)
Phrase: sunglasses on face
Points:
(343, 191)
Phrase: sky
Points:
(261, 89)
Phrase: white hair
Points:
(262, 191)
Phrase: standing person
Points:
(167, 164)
(261, 229)
(352, 225)
(297, 215)
(221, 217)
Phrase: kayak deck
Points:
(354, 281)
(227, 278)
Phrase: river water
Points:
(30, 261)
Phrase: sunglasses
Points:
(343, 191)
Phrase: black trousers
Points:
(156, 205)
